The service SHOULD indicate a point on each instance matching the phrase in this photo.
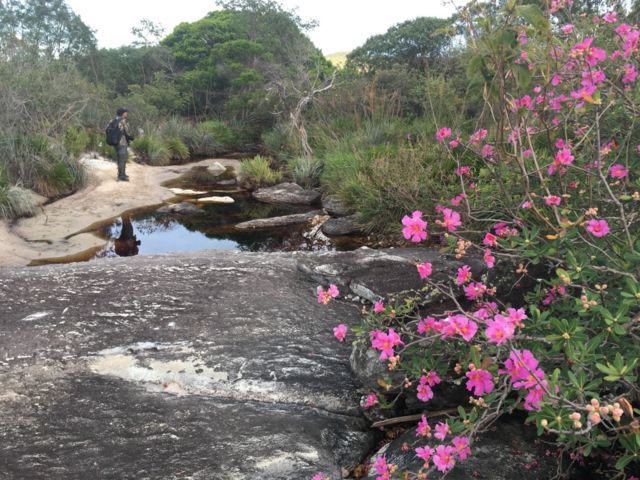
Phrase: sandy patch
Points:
(53, 231)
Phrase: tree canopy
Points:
(417, 43)
(49, 27)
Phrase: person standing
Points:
(122, 148)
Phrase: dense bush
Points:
(552, 196)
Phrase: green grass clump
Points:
(16, 202)
(178, 151)
(151, 150)
(306, 171)
(257, 172)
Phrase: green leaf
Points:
(624, 461)
(534, 15)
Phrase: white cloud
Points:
(344, 24)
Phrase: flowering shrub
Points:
(553, 188)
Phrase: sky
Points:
(343, 24)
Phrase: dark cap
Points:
(120, 111)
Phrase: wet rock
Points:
(340, 226)
(376, 274)
(369, 369)
(183, 208)
(283, 221)
(225, 183)
(335, 207)
(290, 193)
(510, 450)
(216, 168)
(186, 191)
(218, 200)
(215, 364)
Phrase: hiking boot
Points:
(123, 179)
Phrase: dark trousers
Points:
(122, 154)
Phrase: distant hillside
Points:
(338, 58)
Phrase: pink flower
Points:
(534, 398)
(480, 381)
(424, 392)
(317, 476)
(414, 227)
(443, 133)
(383, 469)
(630, 74)
(526, 204)
(618, 171)
(454, 143)
(598, 228)
(478, 136)
(552, 200)
(519, 364)
(489, 259)
(516, 316)
(610, 17)
(385, 342)
(424, 269)
(475, 290)
(378, 307)
(424, 453)
(567, 28)
(490, 240)
(372, 399)
(340, 332)
(499, 330)
(444, 459)
(442, 430)
(466, 328)
(527, 153)
(487, 151)
(426, 324)
(522, 37)
(325, 296)
(423, 429)
(431, 378)
(464, 170)
(451, 220)
(563, 157)
(461, 444)
(455, 201)
(464, 275)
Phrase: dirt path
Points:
(46, 235)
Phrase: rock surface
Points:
(215, 365)
(282, 221)
(290, 193)
(375, 274)
(217, 168)
(216, 199)
(509, 451)
(340, 226)
(335, 207)
(183, 208)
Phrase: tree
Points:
(419, 43)
(48, 27)
(245, 62)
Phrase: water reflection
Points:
(127, 244)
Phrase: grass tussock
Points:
(257, 172)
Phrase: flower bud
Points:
(594, 418)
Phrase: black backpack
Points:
(113, 132)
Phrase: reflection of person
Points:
(126, 245)
(122, 148)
